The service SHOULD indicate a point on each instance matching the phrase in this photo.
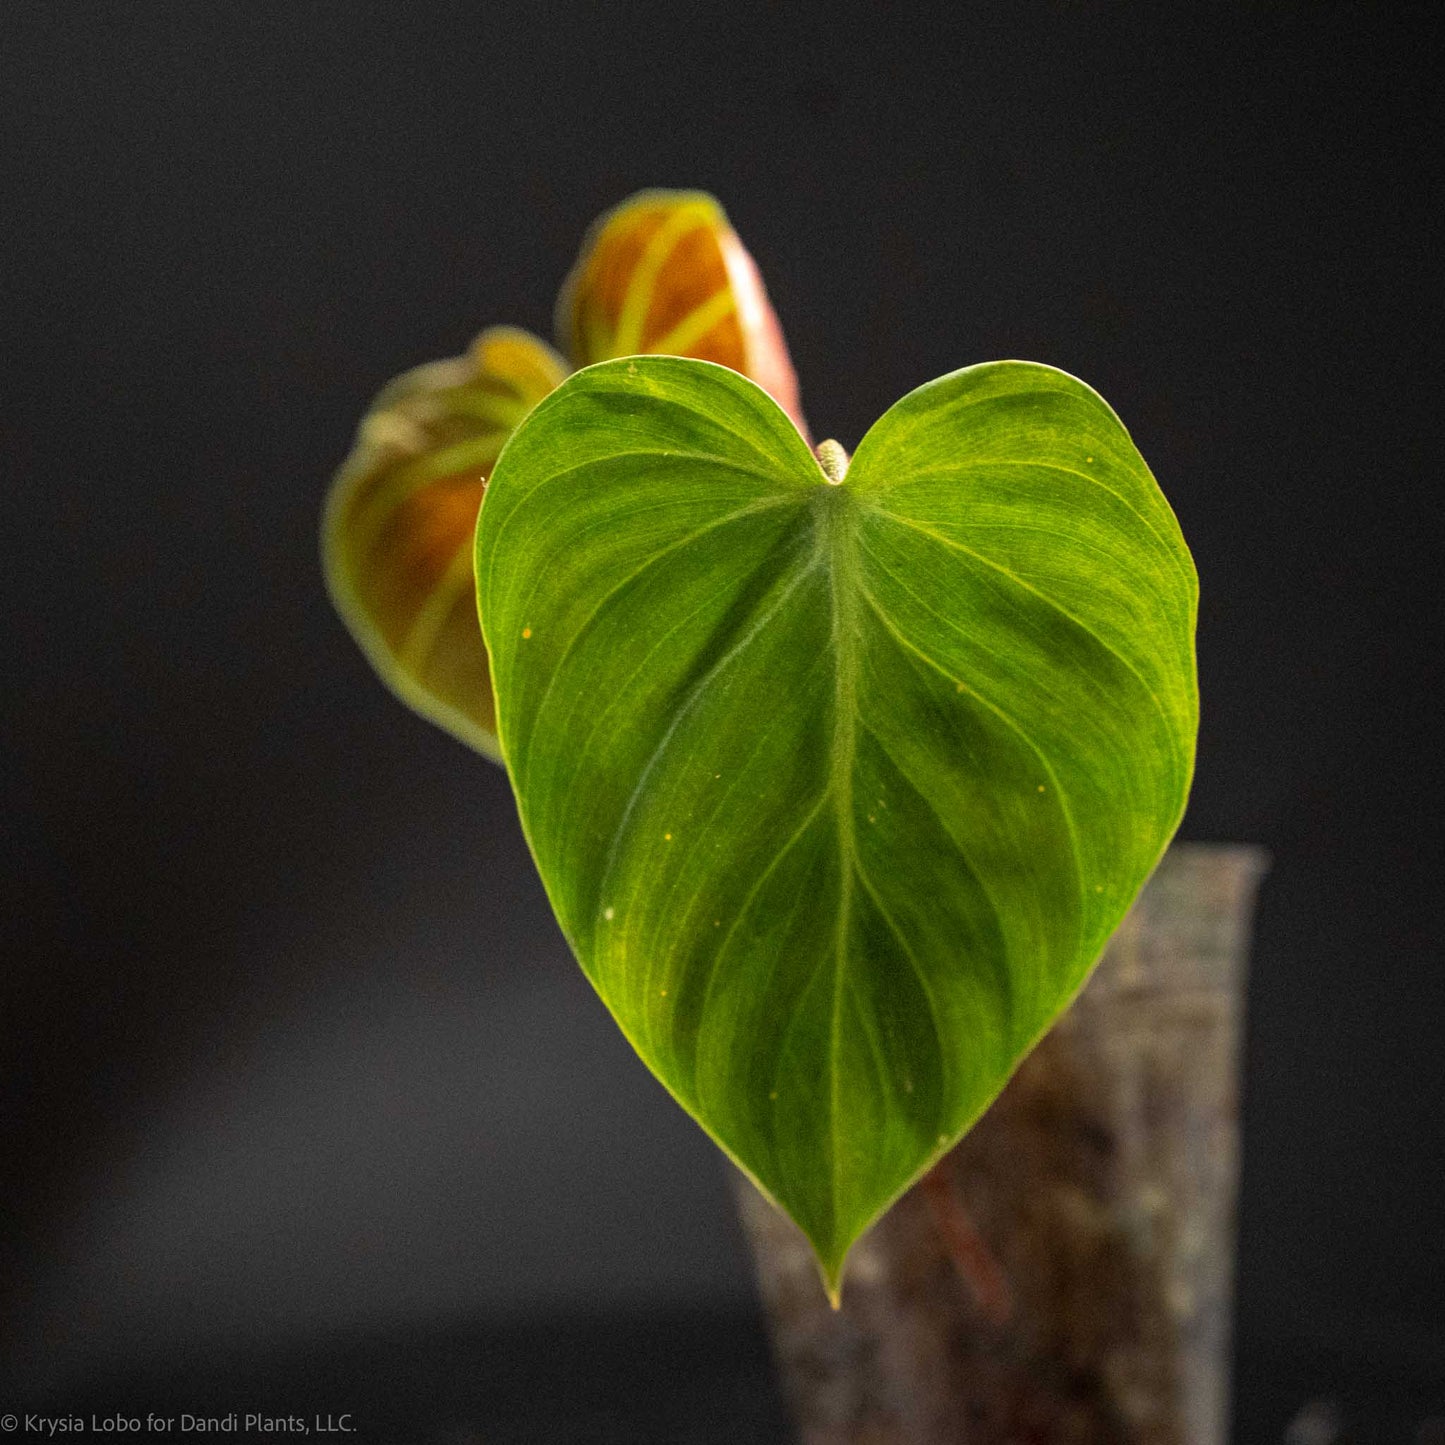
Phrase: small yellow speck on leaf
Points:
(607, 914)
(1041, 787)
(667, 837)
(1088, 459)
(526, 632)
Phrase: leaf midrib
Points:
(837, 520)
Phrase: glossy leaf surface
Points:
(837, 790)
(664, 271)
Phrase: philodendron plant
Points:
(839, 772)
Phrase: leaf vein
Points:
(585, 625)
(571, 472)
(975, 464)
(924, 982)
(694, 696)
(992, 707)
(809, 818)
(1059, 608)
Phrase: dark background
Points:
(291, 1051)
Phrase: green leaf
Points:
(837, 790)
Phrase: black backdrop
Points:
(289, 1041)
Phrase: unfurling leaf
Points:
(838, 780)
(664, 271)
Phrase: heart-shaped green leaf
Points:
(838, 790)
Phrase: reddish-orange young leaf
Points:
(397, 538)
(665, 272)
